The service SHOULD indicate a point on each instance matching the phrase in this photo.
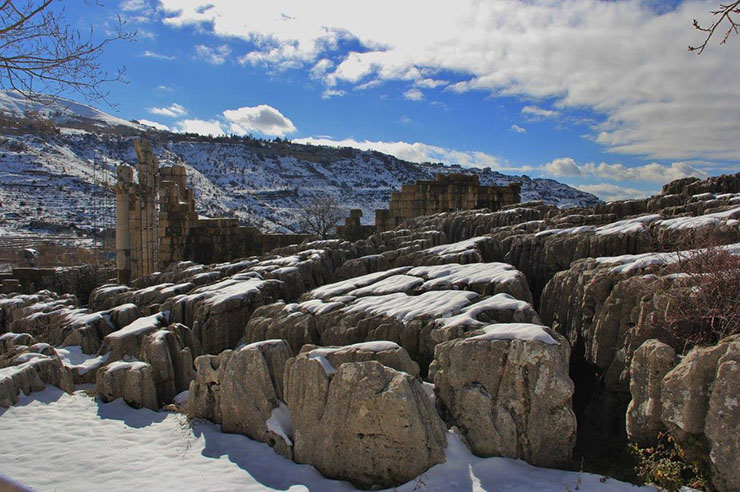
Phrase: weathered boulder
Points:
(10, 339)
(30, 370)
(132, 381)
(170, 351)
(700, 409)
(204, 394)
(507, 389)
(365, 423)
(218, 312)
(127, 340)
(251, 393)
(650, 363)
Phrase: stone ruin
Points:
(526, 330)
(447, 193)
(156, 223)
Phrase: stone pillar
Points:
(148, 169)
(124, 187)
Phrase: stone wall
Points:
(448, 192)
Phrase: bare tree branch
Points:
(724, 15)
(41, 54)
(320, 217)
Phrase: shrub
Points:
(666, 466)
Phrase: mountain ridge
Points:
(65, 175)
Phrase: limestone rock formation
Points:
(132, 381)
(251, 393)
(170, 351)
(700, 409)
(365, 423)
(30, 369)
(650, 363)
(507, 389)
(204, 395)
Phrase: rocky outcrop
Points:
(132, 381)
(365, 422)
(128, 340)
(507, 389)
(30, 369)
(251, 394)
(218, 312)
(650, 363)
(170, 352)
(700, 409)
(204, 395)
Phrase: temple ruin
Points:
(156, 222)
(446, 193)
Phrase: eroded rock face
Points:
(204, 397)
(650, 363)
(170, 352)
(251, 393)
(509, 392)
(700, 409)
(132, 381)
(30, 368)
(365, 423)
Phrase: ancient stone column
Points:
(148, 169)
(124, 188)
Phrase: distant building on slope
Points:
(447, 193)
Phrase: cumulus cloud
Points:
(173, 111)
(262, 119)
(625, 60)
(653, 172)
(413, 94)
(215, 56)
(416, 152)
(154, 124)
(609, 192)
(517, 129)
(201, 127)
(563, 166)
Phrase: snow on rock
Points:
(432, 304)
(509, 393)
(127, 340)
(389, 354)
(81, 363)
(353, 284)
(514, 331)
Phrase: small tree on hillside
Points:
(320, 217)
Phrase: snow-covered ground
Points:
(54, 441)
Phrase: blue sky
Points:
(604, 96)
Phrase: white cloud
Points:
(563, 166)
(259, 119)
(164, 88)
(201, 127)
(173, 111)
(215, 56)
(413, 94)
(610, 192)
(158, 56)
(416, 152)
(653, 172)
(154, 124)
(429, 83)
(538, 113)
(625, 60)
(517, 129)
(329, 93)
(322, 66)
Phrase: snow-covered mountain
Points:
(51, 178)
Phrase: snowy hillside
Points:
(52, 180)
